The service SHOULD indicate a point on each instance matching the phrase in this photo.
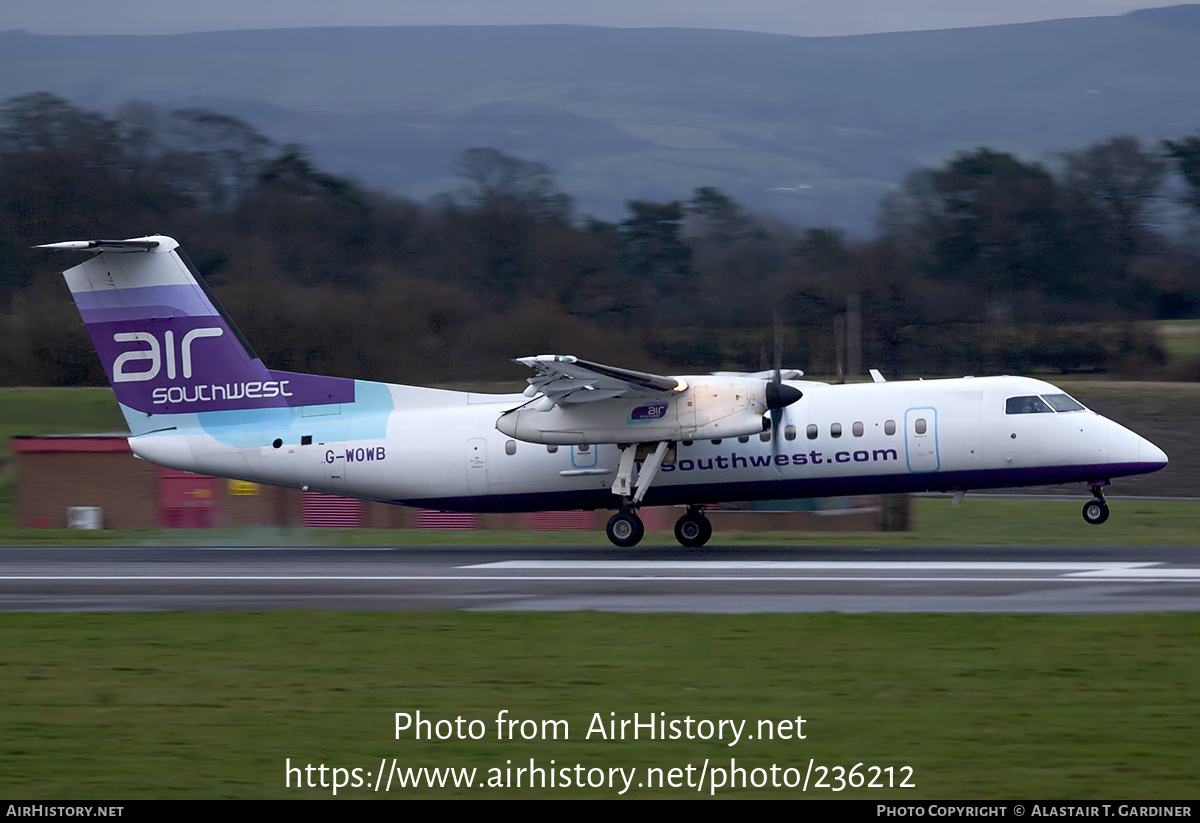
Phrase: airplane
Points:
(581, 436)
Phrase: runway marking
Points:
(1135, 574)
(617, 579)
(806, 565)
(193, 548)
(1106, 575)
(695, 571)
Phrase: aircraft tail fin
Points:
(167, 346)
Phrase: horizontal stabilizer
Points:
(103, 245)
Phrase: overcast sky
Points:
(804, 17)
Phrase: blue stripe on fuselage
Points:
(364, 419)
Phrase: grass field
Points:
(56, 411)
(1180, 339)
(212, 705)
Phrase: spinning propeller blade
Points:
(778, 395)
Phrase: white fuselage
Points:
(441, 449)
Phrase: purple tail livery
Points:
(166, 346)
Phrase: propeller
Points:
(778, 396)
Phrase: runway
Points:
(744, 579)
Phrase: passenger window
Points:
(835, 430)
(510, 447)
(857, 429)
(1027, 405)
(552, 448)
(745, 438)
(765, 437)
(584, 449)
(717, 442)
(919, 426)
(811, 431)
(889, 427)
(790, 432)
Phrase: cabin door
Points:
(477, 468)
(920, 439)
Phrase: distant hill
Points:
(812, 129)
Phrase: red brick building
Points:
(58, 473)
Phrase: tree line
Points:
(986, 263)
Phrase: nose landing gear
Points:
(1096, 511)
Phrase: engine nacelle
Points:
(709, 408)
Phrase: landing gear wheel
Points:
(1095, 512)
(625, 529)
(693, 530)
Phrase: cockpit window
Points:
(1027, 405)
(1063, 402)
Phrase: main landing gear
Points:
(625, 528)
(1096, 511)
(693, 530)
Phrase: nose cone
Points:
(1151, 455)
(1130, 453)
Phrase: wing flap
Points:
(567, 380)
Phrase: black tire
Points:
(625, 529)
(693, 530)
(1095, 512)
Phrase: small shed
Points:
(94, 481)
(60, 476)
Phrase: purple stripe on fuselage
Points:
(789, 488)
(112, 305)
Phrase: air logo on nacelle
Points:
(157, 353)
(649, 413)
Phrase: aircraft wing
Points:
(565, 380)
